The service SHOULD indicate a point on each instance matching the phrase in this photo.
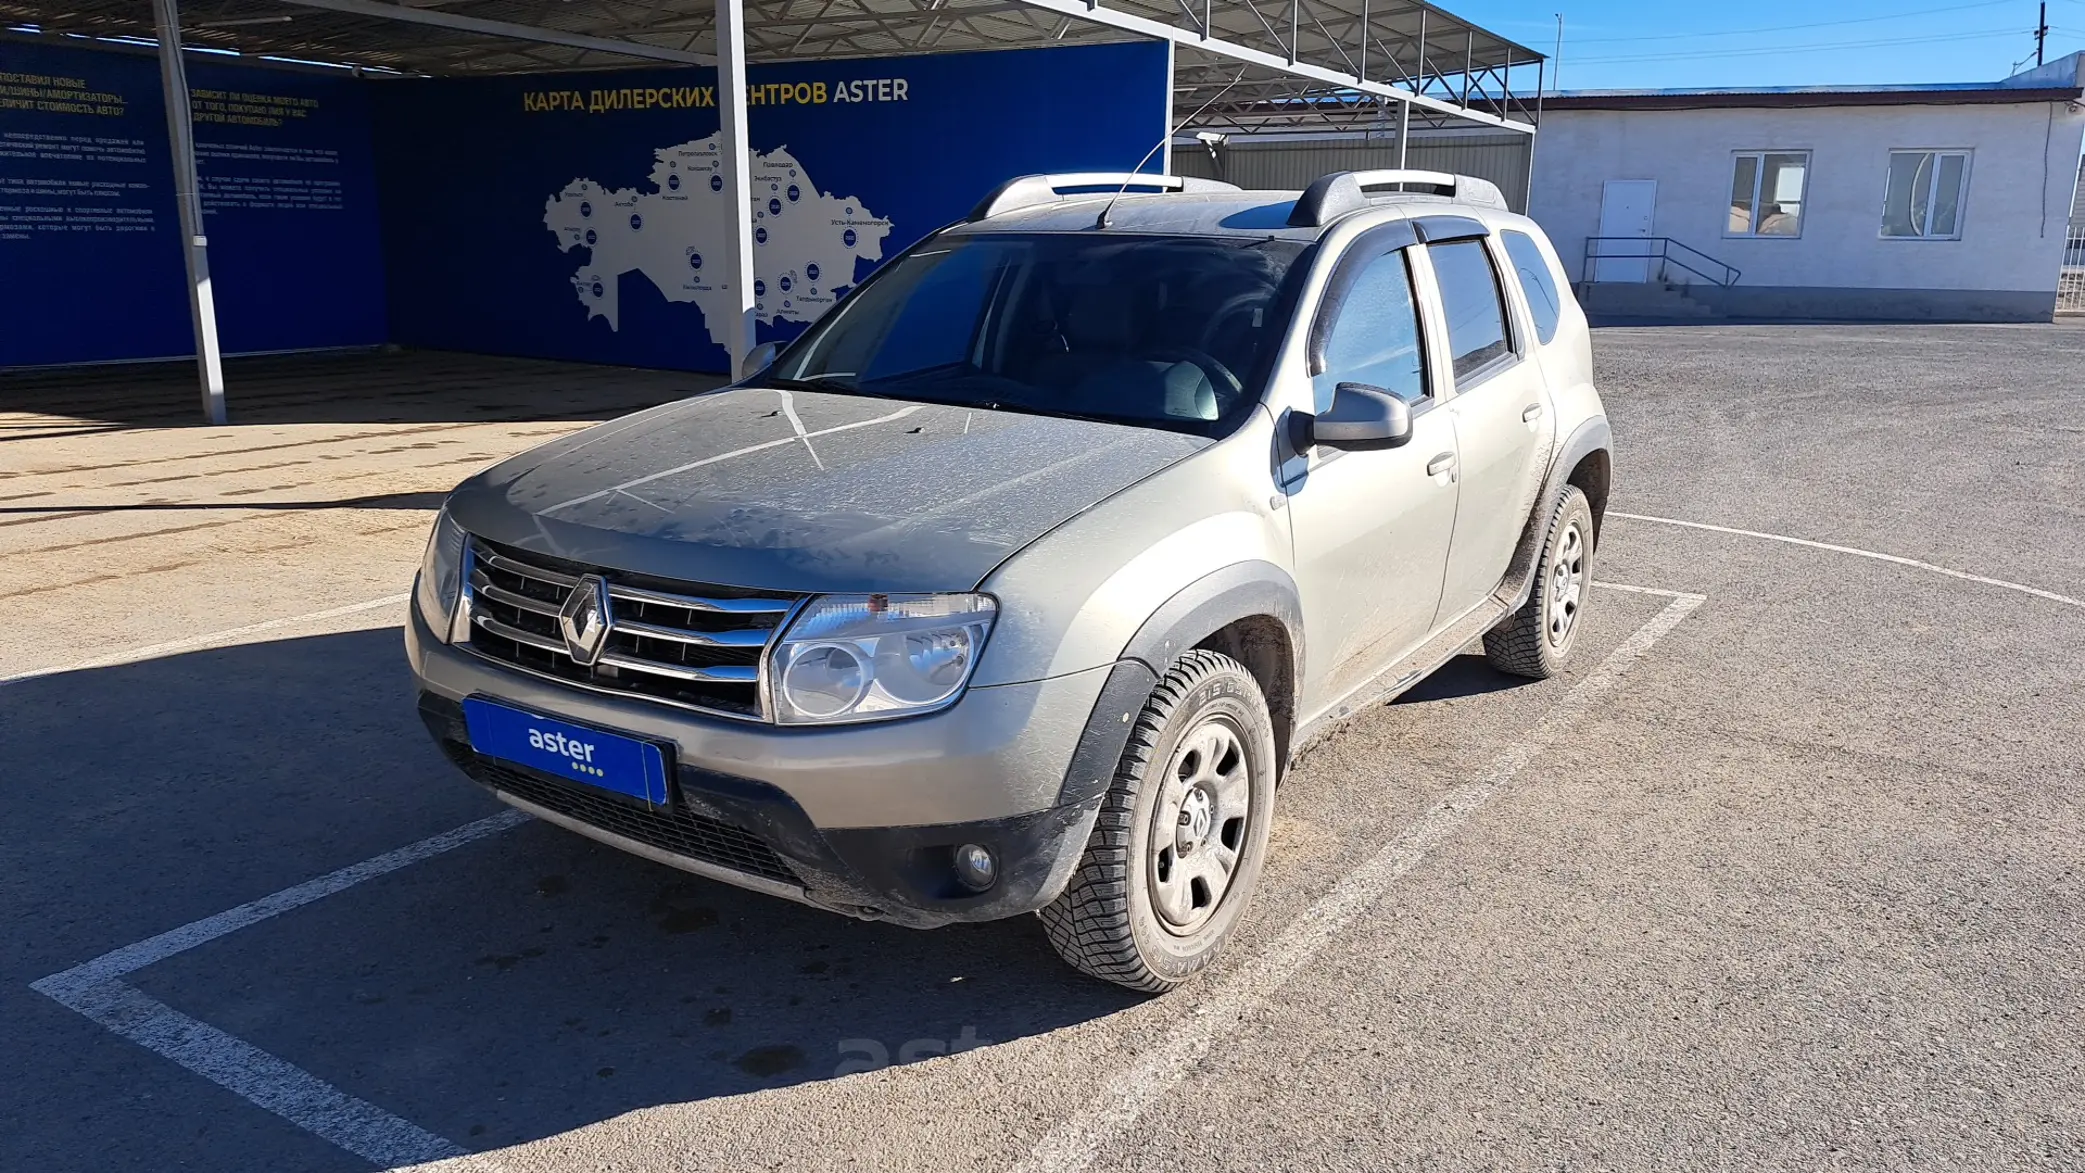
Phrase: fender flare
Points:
(1238, 591)
(1594, 435)
(1220, 597)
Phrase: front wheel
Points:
(1536, 640)
(1181, 836)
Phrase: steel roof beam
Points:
(500, 28)
(1144, 26)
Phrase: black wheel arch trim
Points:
(1594, 435)
(1242, 590)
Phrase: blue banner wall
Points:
(575, 217)
(90, 259)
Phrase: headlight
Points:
(867, 657)
(441, 575)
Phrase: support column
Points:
(1469, 57)
(737, 329)
(1404, 109)
(202, 308)
(1527, 202)
(1165, 116)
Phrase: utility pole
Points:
(1556, 64)
(2041, 33)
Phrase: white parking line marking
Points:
(1641, 590)
(193, 642)
(283, 1088)
(2037, 592)
(1074, 1144)
(95, 990)
(131, 958)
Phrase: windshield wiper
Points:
(905, 386)
(817, 383)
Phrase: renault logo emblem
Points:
(584, 620)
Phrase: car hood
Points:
(806, 491)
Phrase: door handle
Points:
(1531, 413)
(1443, 463)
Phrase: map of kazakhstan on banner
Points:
(806, 241)
(579, 216)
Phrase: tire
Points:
(1152, 901)
(1536, 640)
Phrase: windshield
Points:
(1163, 331)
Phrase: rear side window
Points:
(1470, 301)
(1537, 281)
(1375, 338)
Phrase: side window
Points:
(1470, 301)
(1537, 281)
(1375, 338)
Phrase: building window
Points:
(1924, 198)
(1766, 193)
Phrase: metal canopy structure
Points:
(1289, 62)
(1239, 65)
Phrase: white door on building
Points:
(1627, 209)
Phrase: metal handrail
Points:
(2070, 279)
(1660, 249)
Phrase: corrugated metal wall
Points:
(1290, 165)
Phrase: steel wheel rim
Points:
(1199, 825)
(1566, 584)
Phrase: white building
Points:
(1927, 202)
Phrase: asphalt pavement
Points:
(1787, 872)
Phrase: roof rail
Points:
(1030, 191)
(1334, 195)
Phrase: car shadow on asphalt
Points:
(1469, 674)
(523, 985)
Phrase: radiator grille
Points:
(694, 646)
(670, 829)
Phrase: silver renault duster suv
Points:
(1014, 584)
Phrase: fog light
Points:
(975, 867)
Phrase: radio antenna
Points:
(1170, 132)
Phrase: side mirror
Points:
(1363, 418)
(760, 358)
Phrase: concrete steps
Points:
(1656, 301)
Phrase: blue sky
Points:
(1826, 42)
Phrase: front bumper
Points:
(1001, 751)
(862, 819)
(751, 834)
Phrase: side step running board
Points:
(1509, 596)
(1388, 684)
